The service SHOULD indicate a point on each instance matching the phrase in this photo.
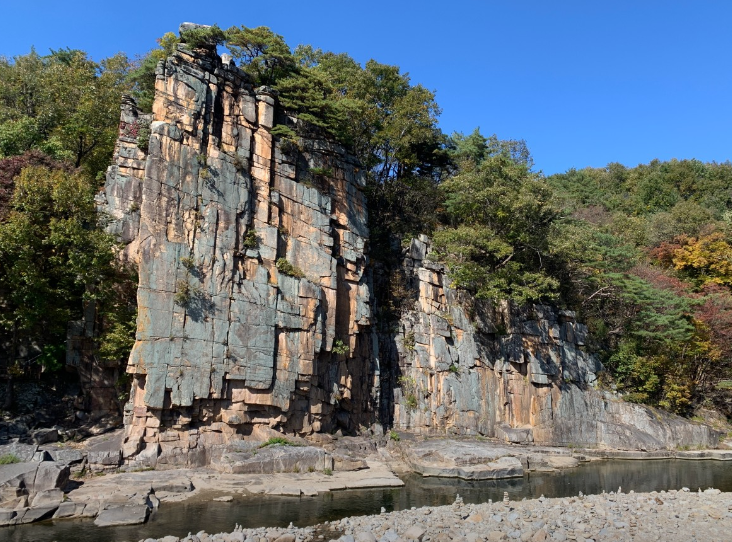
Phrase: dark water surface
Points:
(181, 518)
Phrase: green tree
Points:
(64, 104)
(500, 214)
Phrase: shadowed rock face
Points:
(520, 374)
(230, 342)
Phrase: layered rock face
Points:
(521, 374)
(251, 264)
(255, 298)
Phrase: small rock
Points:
(415, 532)
(364, 536)
(539, 536)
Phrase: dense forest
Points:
(643, 254)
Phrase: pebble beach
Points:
(666, 516)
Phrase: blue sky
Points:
(585, 83)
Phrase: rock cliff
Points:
(522, 374)
(256, 293)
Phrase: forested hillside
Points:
(643, 254)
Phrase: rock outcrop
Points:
(521, 374)
(256, 293)
(251, 253)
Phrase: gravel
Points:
(666, 516)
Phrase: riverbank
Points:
(301, 469)
(667, 516)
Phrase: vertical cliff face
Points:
(252, 297)
(519, 373)
(255, 298)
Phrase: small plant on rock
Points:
(143, 135)
(9, 459)
(188, 262)
(339, 347)
(393, 435)
(328, 472)
(277, 441)
(251, 240)
(286, 268)
(183, 294)
(409, 341)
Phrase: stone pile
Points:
(672, 516)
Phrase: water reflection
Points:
(180, 519)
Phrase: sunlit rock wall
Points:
(226, 341)
(230, 344)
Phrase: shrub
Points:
(286, 268)
(328, 472)
(183, 294)
(188, 262)
(339, 347)
(250, 239)
(393, 435)
(143, 135)
(320, 172)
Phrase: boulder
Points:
(47, 497)
(37, 514)
(69, 509)
(122, 515)
(467, 460)
(24, 452)
(45, 436)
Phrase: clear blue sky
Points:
(585, 82)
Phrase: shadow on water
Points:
(181, 518)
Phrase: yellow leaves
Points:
(709, 256)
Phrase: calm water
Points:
(181, 518)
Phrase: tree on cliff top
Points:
(499, 214)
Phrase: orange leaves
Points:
(708, 258)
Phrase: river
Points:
(193, 516)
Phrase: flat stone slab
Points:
(470, 460)
(122, 515)
(275, 459)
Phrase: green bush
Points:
(286, 268)
(143, 135)
(251, 240)
(409, 341)
(183, 294)
(188, 262)
(339, 347)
